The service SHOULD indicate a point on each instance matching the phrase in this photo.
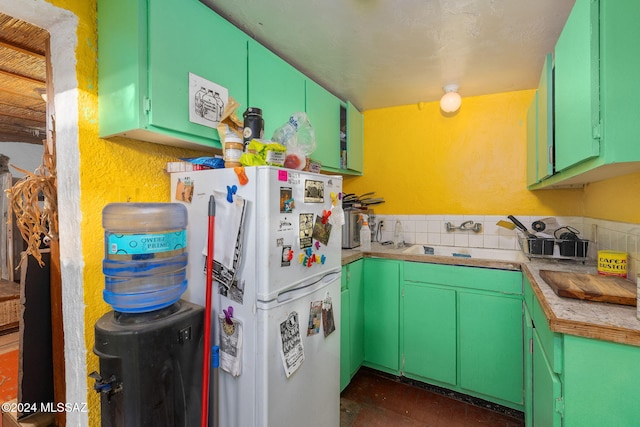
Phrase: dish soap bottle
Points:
(365, 234)
(398, 235)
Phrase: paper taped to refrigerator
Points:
(230, 345)
(229, 224)
(292, 350)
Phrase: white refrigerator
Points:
(279, 287)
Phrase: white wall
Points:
(23, 155)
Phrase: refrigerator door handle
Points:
(308, 289)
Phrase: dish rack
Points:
(552, 248)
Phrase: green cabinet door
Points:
(146, 51)
(323, 110)
(275, 86)
(532, 141)
(429, 333)
(547, 390)
(544, 121)
(188, 37)
(345, 353)
(577, 87)
(491, 345)
(356, 315)
(355, 139)
(600, 383)
(381, 314)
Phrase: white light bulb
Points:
(450, 102)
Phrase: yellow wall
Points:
(473, 162)
(616, 199)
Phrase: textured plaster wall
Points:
(471, 162)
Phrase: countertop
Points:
(609, 322)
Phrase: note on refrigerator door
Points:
(292, 350)
(230, 345)
(229, 225)
(328, 323)
(315, 316)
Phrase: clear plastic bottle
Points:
(398, 235)
(365, 234)
(145, 255)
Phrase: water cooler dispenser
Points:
(150, 366)
(151, 345)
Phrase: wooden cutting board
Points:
(591, 287)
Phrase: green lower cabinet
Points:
(356, 314)
(546, 389)
(381, 314)
(429, 333)
(345, 353)
(600, 383)
(491, 352)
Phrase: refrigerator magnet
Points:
(287, 256)
(321, 230)
(184, 190)
(286, 200)
(328, 323)
(313, 191)
(306, 230)
(315, 317)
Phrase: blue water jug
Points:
(146, 255)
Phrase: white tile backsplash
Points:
(431, 230)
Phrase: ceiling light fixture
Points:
(451, 100)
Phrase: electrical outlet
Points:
(381, 224)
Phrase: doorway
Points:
(25, 121)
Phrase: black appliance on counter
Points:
(150, 367)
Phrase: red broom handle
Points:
(206, 362)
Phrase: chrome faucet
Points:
(465, 226)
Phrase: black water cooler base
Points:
(151, 366)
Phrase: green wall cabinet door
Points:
(275, 86)
(532, 141)
(355, 139)
(429, 333)
(323, 110)
(146, 51)
(491, 351)
(381, 314)
(345, 353)
(577, 87)
(356, 314)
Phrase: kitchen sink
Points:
(480, 253)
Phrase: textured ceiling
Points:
(381, 53)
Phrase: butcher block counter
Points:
(604, 321)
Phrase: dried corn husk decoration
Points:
(35, 221)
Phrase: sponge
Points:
(506, 224)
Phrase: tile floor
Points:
(374, 399)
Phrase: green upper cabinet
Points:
(577, 86)
(596, 93)
(146, 51)
(323, 110)
(532, 141)
(544, 121)
(355, 139)
(274, 86)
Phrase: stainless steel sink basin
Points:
(479, 253)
